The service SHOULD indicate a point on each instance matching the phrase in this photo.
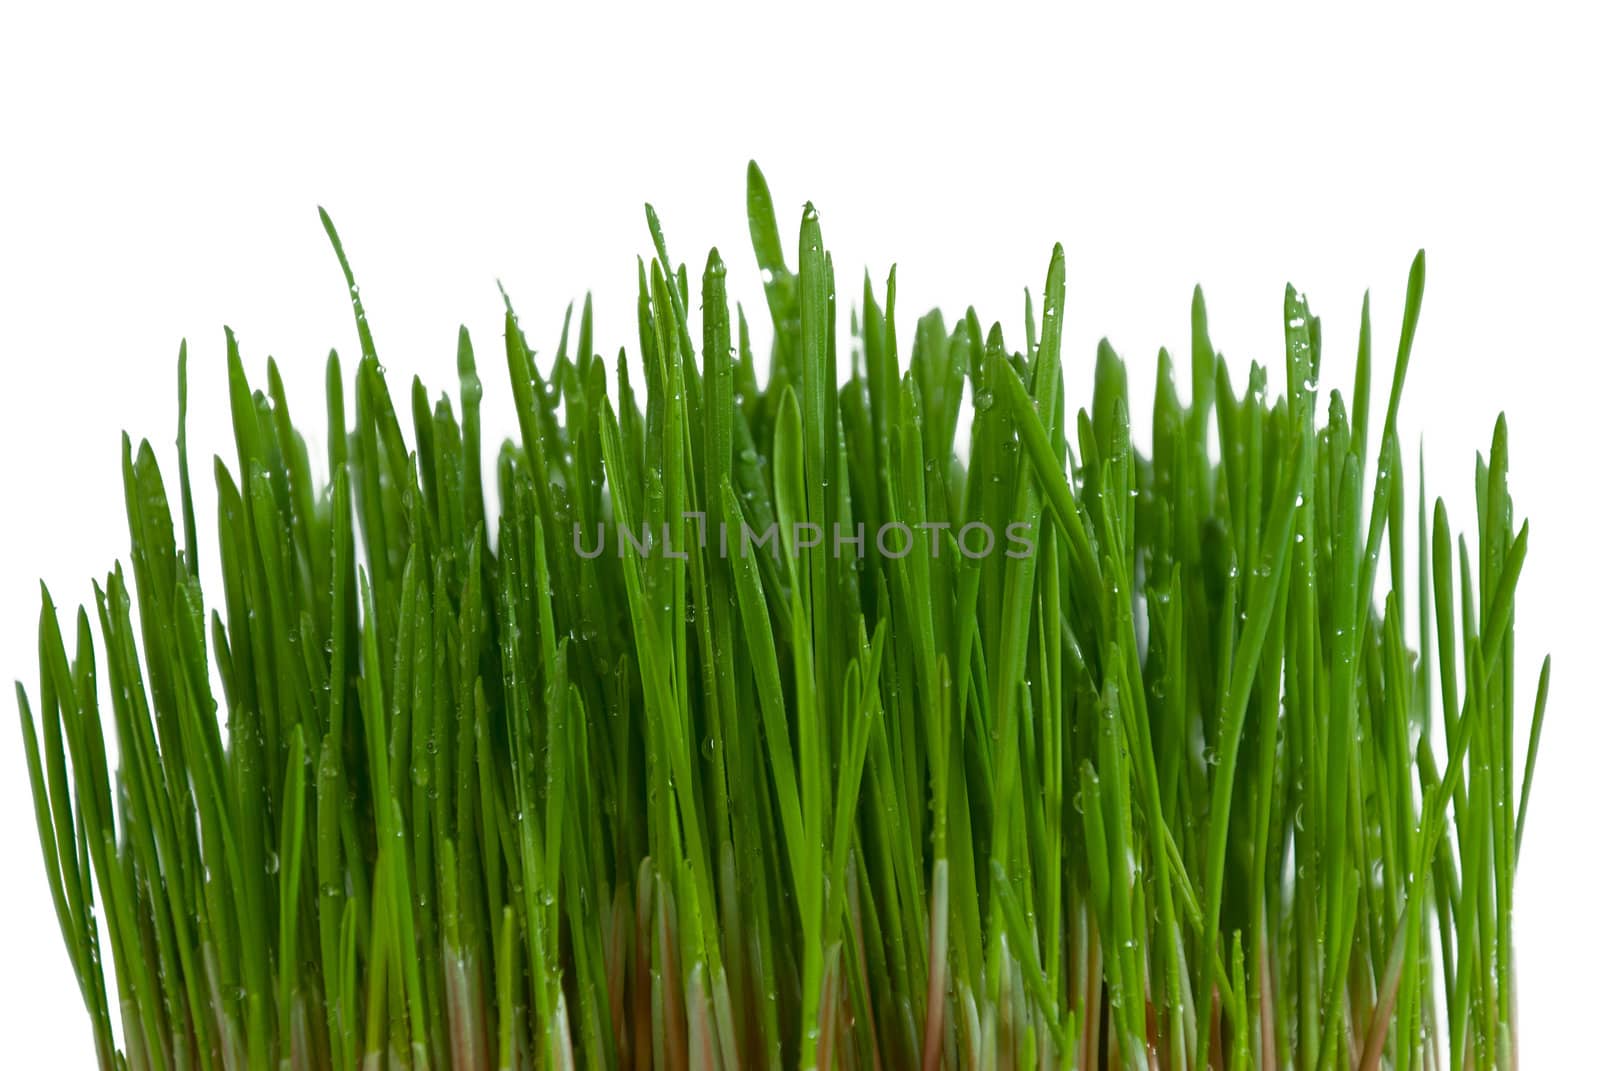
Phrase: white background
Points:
(159, 174)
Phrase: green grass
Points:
(1170, 791)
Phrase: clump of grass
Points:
(1162, 788)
